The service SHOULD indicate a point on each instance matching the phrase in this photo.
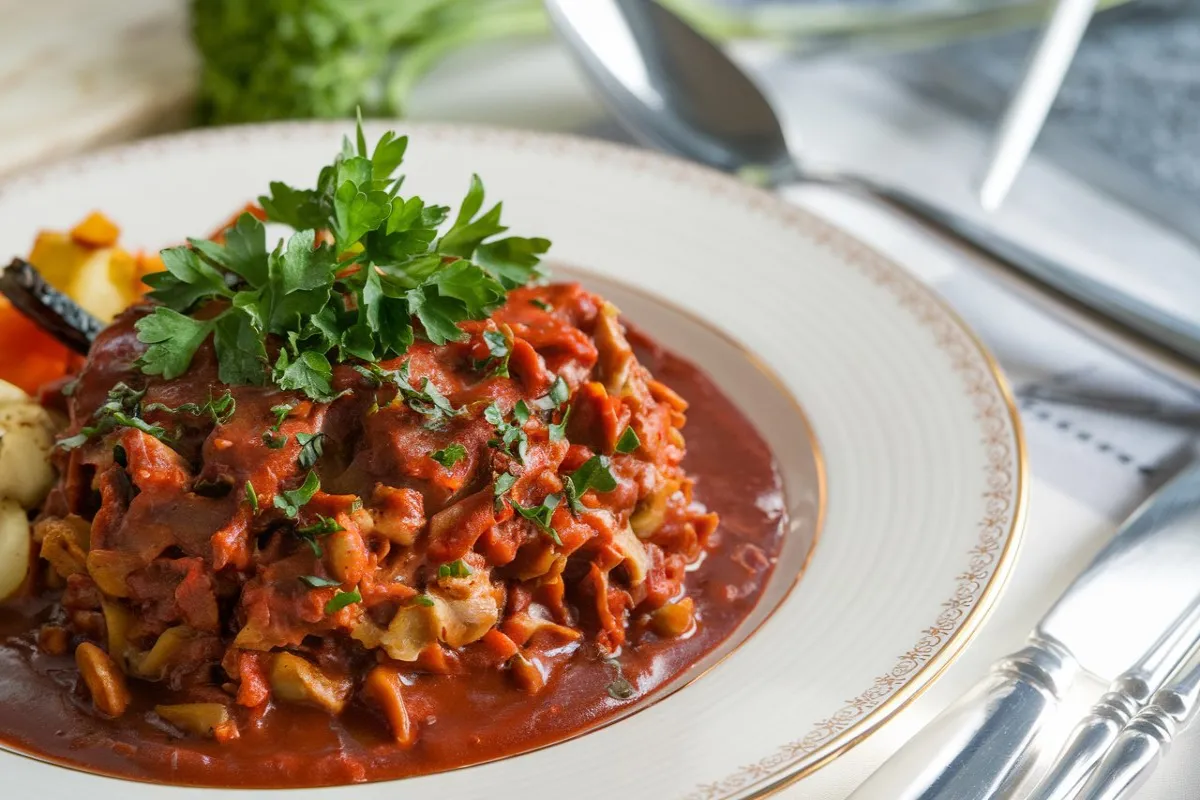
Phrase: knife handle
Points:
(985, 742)
(1144, 742)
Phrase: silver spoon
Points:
(675, 90)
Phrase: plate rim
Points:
(778, 770)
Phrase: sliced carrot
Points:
(30, 357)
(96, 231)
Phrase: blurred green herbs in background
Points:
(284, 59)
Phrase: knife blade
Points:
(1113, 612)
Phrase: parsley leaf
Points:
(312, 445)
(595, 473)
(322, 527)
(423, 600)
(281, 413)
(341, 600)
(450, 455)
(558, 431)
(542, 304)
(251, 497)
(310, 373)
(120, 410)
(291, 501)
(629, 441)
(509, 434)
(317, 582)
(173, 340)
(521, 412)
(504, 482)
(455, 569)
(559, 393)
(541, 515)
(354, 298)
(271, 440)
(498, 352)
(221, 409)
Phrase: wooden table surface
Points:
(75, 74)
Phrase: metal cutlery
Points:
(1113, 612)
(677, 91)
(1031, 102)
(1100, 727)
(1146, 739)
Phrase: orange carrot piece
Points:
(503, 647)
(30, 357)
(96, 231)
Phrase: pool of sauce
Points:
(481, 716)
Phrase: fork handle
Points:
(1144, 742)
(984, 743)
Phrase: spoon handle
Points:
(1121, 321)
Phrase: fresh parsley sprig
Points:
(324, 302)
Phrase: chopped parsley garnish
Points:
(221, 409)
(542, 304)
(121, 410)
(541, 515)
(317, 582)
(559, 393)
(595, 473)
(450, 455)
(423, 600)
(504, 482)
(312, 445)
(291, 501)
(629, 441)
(275, 441)
(251, 497)
(508, 434)
(455, 569)
(386, 277)
(427, 401)
(281, 412)
(499, 350)
(322, 527)
(558, 431)
(521, 412)
(341, 600)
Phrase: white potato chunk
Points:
(15, 543)
(26, 438)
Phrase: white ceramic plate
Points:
(922, 453)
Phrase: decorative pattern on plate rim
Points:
(997, 416)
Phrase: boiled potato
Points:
(15, 544)
(26, 437)
(101, 280)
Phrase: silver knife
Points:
(1139, 584)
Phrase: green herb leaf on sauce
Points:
(498, 351)
(521, 412)
(541, 515)
(559, 393)
(542, 304)
(504, 482)
(221, 409)
(291, 501)
(281, 413)
(251, 497)
(450, 455)
(341, 600)
(455, 569)
(274, 441)
(509, 435)
(317, 582)
(423, 600)
(595, 473)
(312, 445)
(121, 410)
(558, 430)
(629, 441)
